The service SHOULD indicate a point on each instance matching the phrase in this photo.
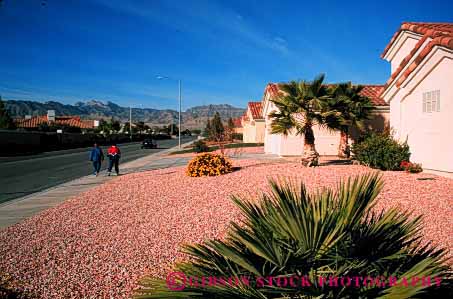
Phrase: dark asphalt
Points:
(20, 176)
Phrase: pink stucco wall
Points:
(326, 141)
(292, 145)
(253, 131)
(430, 135)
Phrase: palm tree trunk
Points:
(343, 148)
(310, 155)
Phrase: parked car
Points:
(149, 143)
(186, 133)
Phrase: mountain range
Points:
(194, 117)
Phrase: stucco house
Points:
(326, 141)
(420, 92)
(33, 122)
(237, 122)
(253, 123)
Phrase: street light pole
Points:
(179, 120)
(180, 101)
(130, 121)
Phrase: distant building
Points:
(238, 129)
(253, 123)
(326, 141)
(33, 122)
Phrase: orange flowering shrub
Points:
(208, 164)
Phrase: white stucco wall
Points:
(249, 134)
(267, 141)
(429, 135)
(272, 142)
(404, 44)
(395, 116)
(326, 142)
(259, 128)
(291, 145)
(273, 146)
(253, 132)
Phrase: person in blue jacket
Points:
(96, 157)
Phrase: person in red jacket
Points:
(114, 155)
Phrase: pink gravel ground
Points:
(98, 244)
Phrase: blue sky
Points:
(224, 51)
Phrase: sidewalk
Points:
(14, 211)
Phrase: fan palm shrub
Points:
(301, 105)
(290, 232)
(353, 110)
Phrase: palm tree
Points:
(353, 110)
(300, 106)
(291, 236)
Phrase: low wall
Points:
(14, 143)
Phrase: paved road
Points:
(29, 174)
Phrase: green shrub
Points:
(380, 150)
(237, 136)
(200, 146)
(290, 233)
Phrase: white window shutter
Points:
(431, 101)
(438, 100)
(424, 102)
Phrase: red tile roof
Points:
(256, 109)
(440, 34)
(88, 124)
(272, 88)
(373, 92)
(426, 29)
(33, 122)
(73, 121)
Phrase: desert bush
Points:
(200, 146)
(209, 165)
(289, 233)
(382, 151)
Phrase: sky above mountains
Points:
(223, 51)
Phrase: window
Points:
(431, 101)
